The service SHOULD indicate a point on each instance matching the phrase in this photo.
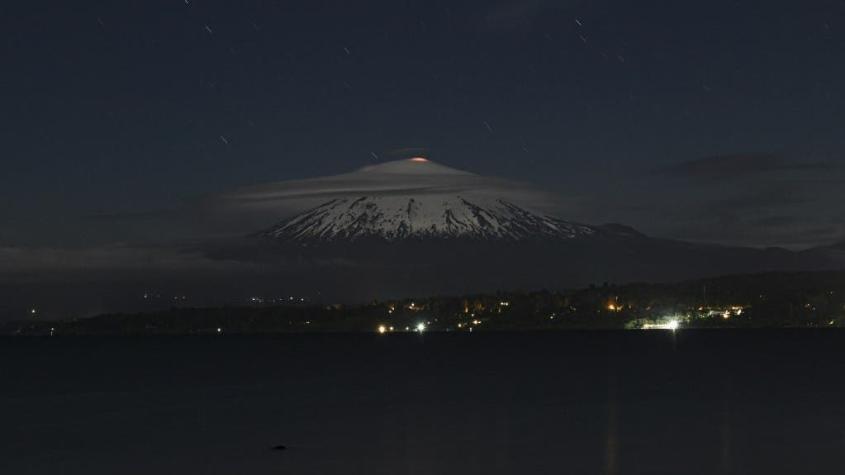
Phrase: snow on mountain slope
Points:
(395, 217)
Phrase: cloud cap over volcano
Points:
(256, 207)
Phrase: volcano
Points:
(450, 211)
(435, 217)
(415, 227)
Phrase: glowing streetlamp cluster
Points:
(383, 329)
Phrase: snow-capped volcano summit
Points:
(434, 202)
(418, 217)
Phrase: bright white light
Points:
(419, 159)
(420, 327)
(382, 329)
(219, 330)
(673, 325)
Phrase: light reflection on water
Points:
(613, 403)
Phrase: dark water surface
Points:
(702, 402)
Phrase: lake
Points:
(689, 402)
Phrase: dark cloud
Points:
(111, 258)
(777, 221)
(759, 198)
(124, 216)
(741, 165)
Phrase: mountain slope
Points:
(393, 218)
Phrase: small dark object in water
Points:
(279, 447)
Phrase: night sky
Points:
(711, 121)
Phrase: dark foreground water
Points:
(702, 402)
